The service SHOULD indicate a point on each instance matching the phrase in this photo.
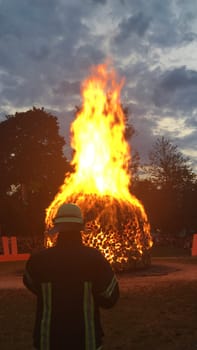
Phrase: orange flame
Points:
(101, 180)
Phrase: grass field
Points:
(160, 317)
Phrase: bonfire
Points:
(115, 220)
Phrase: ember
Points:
(115, 220)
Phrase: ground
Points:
(161, 270)
(156, 310)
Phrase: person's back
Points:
(71, 282)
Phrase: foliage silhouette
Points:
(32, 167)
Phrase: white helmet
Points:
(67, 213)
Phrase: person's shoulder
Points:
(41, 254)
(93, 253)
(91, 250)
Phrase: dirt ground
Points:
(161, 270)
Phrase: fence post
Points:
(5, 243)
(194, 245)
(14, 249)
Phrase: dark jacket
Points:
(71, 282)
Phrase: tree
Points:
(129, 133)
(168, 166)
(32, 168)
(174, 185)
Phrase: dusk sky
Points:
(48, 46)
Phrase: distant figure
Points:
(71, 282)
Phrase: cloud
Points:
(188, 140)
(47, 48)
(43, 44)
(103, 2)
(135, 24)
(192, 121)
(176, 89)
(67, 88)
(188, 147)
(178, 78)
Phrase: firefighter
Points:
(71, 282)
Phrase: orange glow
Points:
(115, 219)
(48, 240)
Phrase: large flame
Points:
(116, 222)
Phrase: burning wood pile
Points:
(115, 220)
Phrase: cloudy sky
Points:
(48, 46)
